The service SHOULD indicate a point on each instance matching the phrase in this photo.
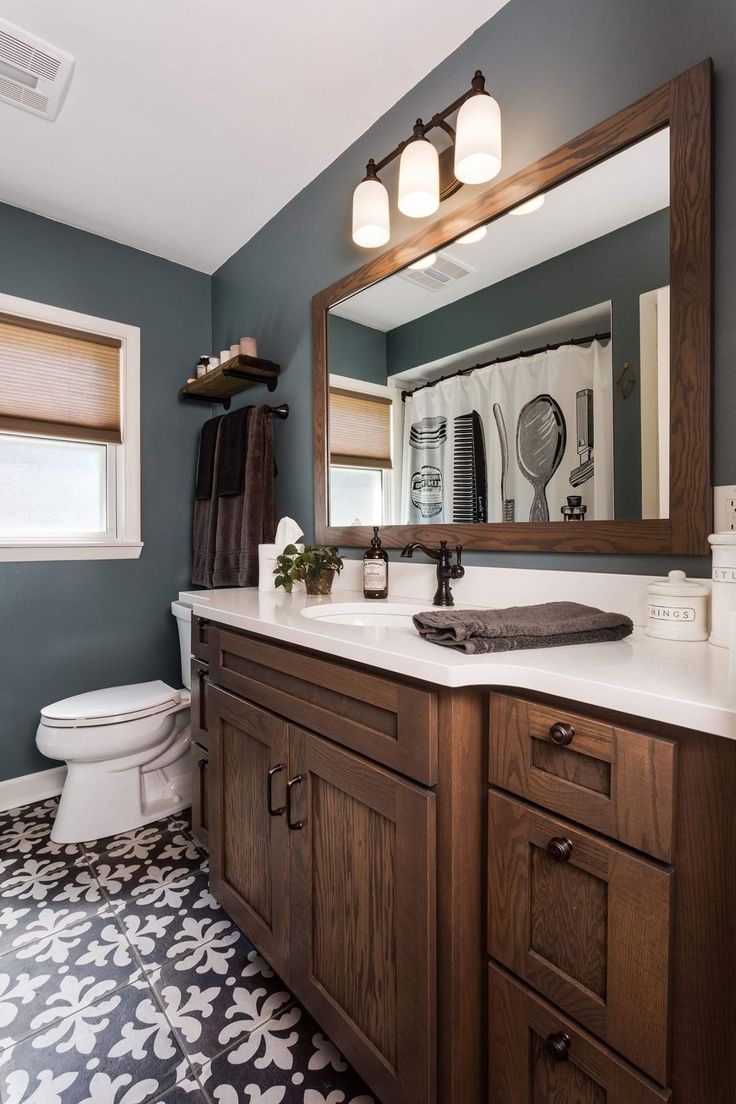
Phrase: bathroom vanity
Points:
(507, 878)
(481, 892)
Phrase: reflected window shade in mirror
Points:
(60, 383)
(360, 429)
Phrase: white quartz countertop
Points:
(676, 683)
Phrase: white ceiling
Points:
(614, 193)
(190, 123)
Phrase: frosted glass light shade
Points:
(371, 222)
(419, 179)
(424, 262)
(478, 140)
(473, 236)
(530, 205)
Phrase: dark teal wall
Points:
(357, 351)
(556, 69)
(78, 625)
(615, 268)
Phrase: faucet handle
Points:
(458, 571)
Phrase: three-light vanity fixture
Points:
(477, 159)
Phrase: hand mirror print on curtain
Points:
(460, 456)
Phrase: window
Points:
(360, 457)
(69, 435)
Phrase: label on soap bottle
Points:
(374, 575)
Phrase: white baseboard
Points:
(31, 787)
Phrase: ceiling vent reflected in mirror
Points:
(443, 270)
(34, 74)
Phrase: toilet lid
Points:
(116, 703)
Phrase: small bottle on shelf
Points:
(375, 569)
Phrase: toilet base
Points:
(96, 803)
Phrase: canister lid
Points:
(677, 585)
(727, 538)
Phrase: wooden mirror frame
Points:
(683, 104)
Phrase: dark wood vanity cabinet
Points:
(326, 861)
(478, 895)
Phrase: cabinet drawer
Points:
(616, 781)
(586, 923)
(386, 720)
(202, 638)
(537, 1056)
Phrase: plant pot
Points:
(322, 584)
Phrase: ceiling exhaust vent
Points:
(34, 75)
(444, 270)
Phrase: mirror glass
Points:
(519, 374)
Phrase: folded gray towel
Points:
(550, 625)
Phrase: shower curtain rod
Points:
(510, 356)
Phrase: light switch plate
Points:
(724, 509)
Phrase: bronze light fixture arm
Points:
(421, 129)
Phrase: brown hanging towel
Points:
(246, 519)
(204, 522)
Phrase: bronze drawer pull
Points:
(294, 825)
(281, 809)
(561, 733)
(558, 1046)
(559, 849)
(202, 762)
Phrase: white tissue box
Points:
(267, 556)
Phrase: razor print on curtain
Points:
(513, 441)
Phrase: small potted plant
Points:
(315, 566)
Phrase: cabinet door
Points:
(249, 846)
(586, 923)
(537, 1056)
(363, 913)
(200, 797)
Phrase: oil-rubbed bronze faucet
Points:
(445, 569)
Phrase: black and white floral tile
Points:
(122, 981)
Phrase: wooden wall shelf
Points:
(235, 375)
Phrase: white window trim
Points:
(127, 544)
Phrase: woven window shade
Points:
(58, 382)
(360, 429)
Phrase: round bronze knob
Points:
(558, 1046)
(561, 734)
(559, 849)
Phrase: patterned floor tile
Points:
(166, 843)
(117, 1050)
(285, 1061)
(22, 833)
(211, 1000)
(174, 923)
(54, 977)
(187, 1091)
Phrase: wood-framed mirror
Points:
(544, 385)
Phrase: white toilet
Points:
(126, 750)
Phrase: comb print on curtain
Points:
(470, 454)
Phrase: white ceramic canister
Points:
(723, 547)
(677, 608)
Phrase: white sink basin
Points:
(365, 615)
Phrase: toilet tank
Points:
(183, 614)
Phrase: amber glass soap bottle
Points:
(375, 569)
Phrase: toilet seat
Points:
(114, 705)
